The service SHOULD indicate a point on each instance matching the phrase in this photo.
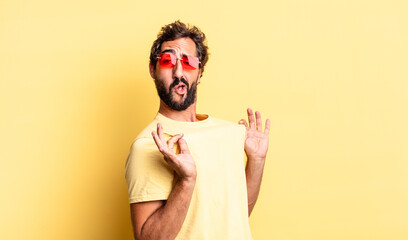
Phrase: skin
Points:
(180, 46)
(256, 147)
(150, 219)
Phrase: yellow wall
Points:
(332, 76)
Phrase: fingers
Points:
(243, 122)
(251, 118)
(160, 131)
(166, 147)
(174, 139)
(258, 121)
(158, 141)
(183, 146)
(267, 126)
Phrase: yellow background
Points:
(331, 75)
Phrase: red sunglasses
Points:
(169, 60)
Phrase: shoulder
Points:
(143, 144)
(146, 133)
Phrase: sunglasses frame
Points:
(185, 65)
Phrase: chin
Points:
(179, 99)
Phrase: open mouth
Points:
(180, 88)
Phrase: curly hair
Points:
(178, 30)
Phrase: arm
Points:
(163, 219)
(253, 172)
(256, 147)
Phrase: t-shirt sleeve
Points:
(148, 176)
(242, 137)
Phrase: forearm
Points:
(253, 172)
(166, 222)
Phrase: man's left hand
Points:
(256, 140)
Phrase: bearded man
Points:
(189, 175)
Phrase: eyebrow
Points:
(169, 50)
(174, 52)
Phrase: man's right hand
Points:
(150, 218)
(183, 163)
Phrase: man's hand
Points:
(256, 146)
(256, 141)
(150, 219)
(182, 163)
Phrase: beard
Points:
(167, 95)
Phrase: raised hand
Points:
(183, 163)
(256, 140)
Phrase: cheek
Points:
(164, 76)
(192, 76)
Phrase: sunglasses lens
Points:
(189, 62)
(166, 60)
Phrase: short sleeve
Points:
(242, 138)
(147, 174)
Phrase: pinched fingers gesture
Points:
(256, 140)
(182, 163)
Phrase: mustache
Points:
(177, 81)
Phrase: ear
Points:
(151, 70)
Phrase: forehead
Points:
(180, 46)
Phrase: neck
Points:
(188, 115)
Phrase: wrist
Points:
(258, 160)
(187, 181)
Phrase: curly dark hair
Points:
(178, 30)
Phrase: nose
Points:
(178, 69)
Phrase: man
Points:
(186, 172)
